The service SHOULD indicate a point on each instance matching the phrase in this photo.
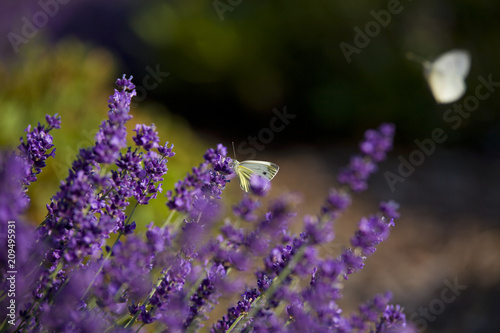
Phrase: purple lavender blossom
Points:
(172, 278)
(125, 84)
(390, 209)
(70, 308)
(371, 232)
(272, 225)
(112, 135)
(296, 255)
(37, 145)
(208, 180)
(317, 232)
(393, 320)
(245, 209)
(336, 203)
(374, 149)
(357, 173)
(170, 287)
(14, 171)
(370, 312)
(259, 185)
(231, 234)
(233, 313)
(132, 262)
(18, 236)
(206, 294)
(166, 151)
(90, 206)
(146, 137)
(378, 143)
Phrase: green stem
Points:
(140, 328)
(272, 288)
(167, 221)
(63, 285)
(146, 302)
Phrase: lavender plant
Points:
(86, 269)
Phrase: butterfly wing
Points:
(446, 75)
(246, 169)
(447, 87)
(454, 61)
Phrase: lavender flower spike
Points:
(14, 171)
(112, 135)
(38, 143)
(90, 267)
(374, 149)
(207, 180)
(259, 185)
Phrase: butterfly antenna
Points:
(234, 150)
(413, 57)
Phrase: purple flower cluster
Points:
(296, 258)
(85, 210)
(314, 308)
(246, 208)
(17, 172)
(206, 181)
(373, 150)
(244, 305)
(259, 185)
(38, 143)
(14, 174)
(91, 204)
(89, 270)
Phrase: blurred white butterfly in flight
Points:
(446, 75)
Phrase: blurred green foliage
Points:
(75, 81)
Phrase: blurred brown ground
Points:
(449, 230)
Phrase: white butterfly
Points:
(246, 169)
(446, 75)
